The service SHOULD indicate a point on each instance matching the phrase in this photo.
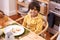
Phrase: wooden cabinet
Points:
(45, 1)
(18, 4)
(43, 10)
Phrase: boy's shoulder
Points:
(26, 17)
(40, 15)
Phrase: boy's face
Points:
(33, 12)
(1, 15)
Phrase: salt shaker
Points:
(9, 36)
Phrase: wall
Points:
(12, 7)
(1, 4)
(8, 6)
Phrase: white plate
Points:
(14, 27)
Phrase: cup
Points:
(9, 36)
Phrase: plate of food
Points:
(15, 29)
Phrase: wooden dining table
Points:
(30, 36)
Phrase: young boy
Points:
(34, 20)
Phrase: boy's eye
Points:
(35, 9)
(32, 9)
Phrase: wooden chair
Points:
(44, 29)
(54, 36)
(43, 32)
(20, 20)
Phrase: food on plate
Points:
(3, 19)
(14, 30)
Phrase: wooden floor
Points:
(14, 17)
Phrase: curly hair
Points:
(34, 4)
